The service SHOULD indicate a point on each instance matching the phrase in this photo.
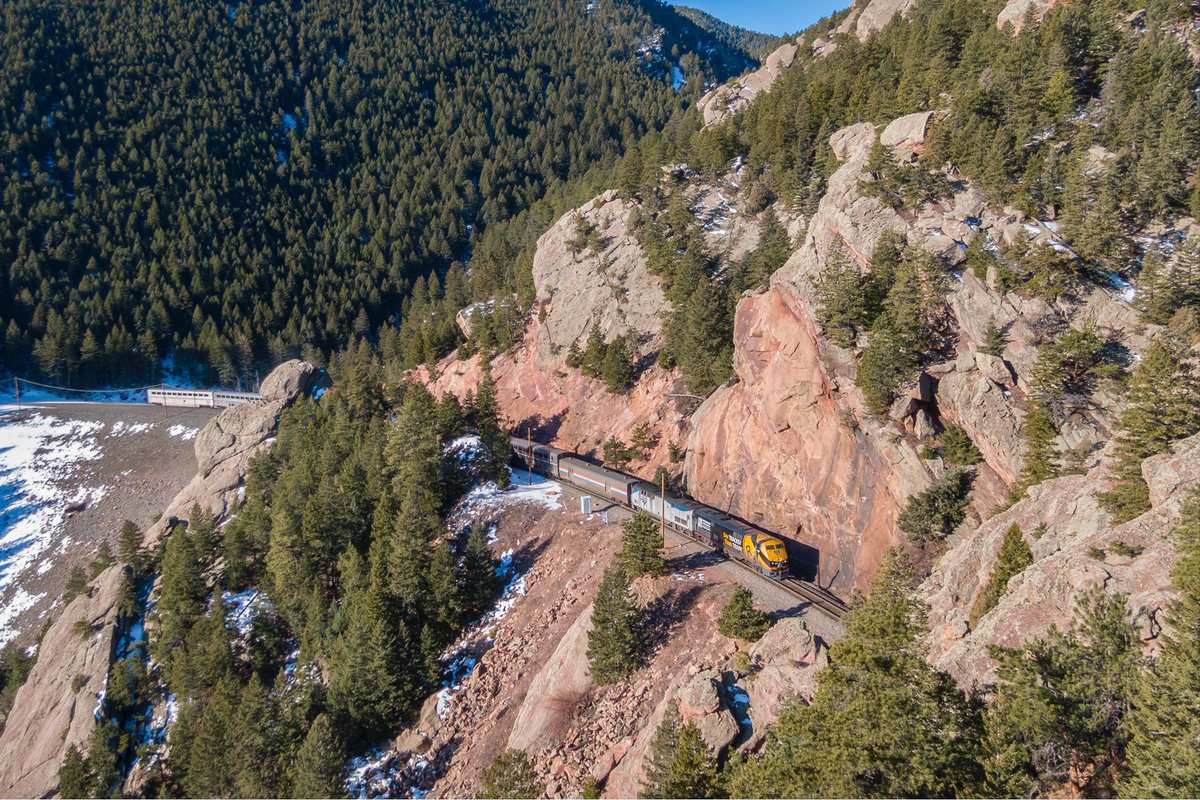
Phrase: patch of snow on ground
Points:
(182, 431)
(123, 429)
(1124, 288)
(242, 607)
(39, 458)
(677, 79)
(523, 487)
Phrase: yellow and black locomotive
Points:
(759, 549)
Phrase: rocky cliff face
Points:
(1072, 540)
(54, 709)
(226, 445)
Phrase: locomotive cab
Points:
(772, 556)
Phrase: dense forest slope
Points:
(230, 182)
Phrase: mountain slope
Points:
(228, 180)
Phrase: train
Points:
(198, 398)
(710, 526)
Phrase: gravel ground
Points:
(117, 460)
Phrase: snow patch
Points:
(183, 432)
(39, 482)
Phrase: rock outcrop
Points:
(226, 445)
(787, 658)
(731, 97)
(1016, 12)
(609, 287)
(1072, 540)
(53, 709)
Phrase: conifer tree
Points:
(842, 309)
(491, 430)
(615, 642)
(641, 544)
(617, 369)
(481, 583)
(1163, 760)
(320, 763)
(883, 723)
(181, 595)
(957, 447)
(510, 775)
(129, 543)
(1058, 719)
(739, 619)
(680, 763)
(74, 778)
(772, 250)
(1039, 461)
(1163, 407)
(593, 354)
(1013, 558)
(935, 512)
(994, 340)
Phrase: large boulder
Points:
(1016, 12)
(702, 702)
(788, 658)
(555, 690)
(731, 97)
(53, 709)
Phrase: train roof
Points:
(521, 441)
(613, 475)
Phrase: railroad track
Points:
(821, 599)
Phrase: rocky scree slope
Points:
(54, 709)
(532, 688)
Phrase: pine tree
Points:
(681, 765)
(770, 253)
(842, 302)
(1040, 458)
(593, 354)
(938, 510)
(129, 543)
(1013, 558)
(882, 723)
(957, 447)
(1058, 718)
(480, 580)
(77, 583)
(994, 340)
(1163, 406)
(615, 642)
(739, 619)
(320, 763)
(1163, 760)
(617, 369)
(492, 430)
(641, 544)
(74, 778)
(657, 767)
(181, 595)
(510, 775)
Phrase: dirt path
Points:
(70, 473)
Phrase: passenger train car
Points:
(718, 530)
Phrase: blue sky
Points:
(769, 16)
